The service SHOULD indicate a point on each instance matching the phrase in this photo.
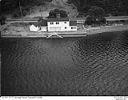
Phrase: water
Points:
(92, 65)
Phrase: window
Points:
(51, 22)
(57, 22)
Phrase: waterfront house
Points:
(61, 24)
(55, 24)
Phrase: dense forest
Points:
(111, 7)
(7, 6)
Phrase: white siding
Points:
(73, 28)
(43, 28)
(58, 26)
(62, 26)
(54, 28)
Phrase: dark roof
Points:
(57, 19)
(40, 23)
(73, 23)
(43, 22)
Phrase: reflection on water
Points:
(93, 65)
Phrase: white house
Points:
(61, 24)
(54, 24)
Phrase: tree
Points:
(55, 12)
(102, 20)
(95, 15)
(89, 20)
(96, 12)
(9, 6)
(2, 20)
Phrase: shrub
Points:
(95, 16)
(53, 13)
(2, 20)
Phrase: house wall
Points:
(58, 27)
(62, 26)
(43, 28)
(73, 28)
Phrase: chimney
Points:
(58, 16)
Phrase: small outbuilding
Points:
(33, 28)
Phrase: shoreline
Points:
(80, 33)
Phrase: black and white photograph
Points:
(64, 48)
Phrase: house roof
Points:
(73, 23)
(57, 19)
(43, 22)
(40, 23)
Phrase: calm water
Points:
(93, 65)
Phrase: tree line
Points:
(111, 7)
(94, 10)
(12, 6)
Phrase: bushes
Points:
(9, 6)
(93, 21)
(89, 20)
(24, 12)
(53, 13)
(16, 14)
(96, 12)
(95, 16)
(2, 20)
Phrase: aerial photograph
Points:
(64, 47)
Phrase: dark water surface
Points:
(93, 65)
